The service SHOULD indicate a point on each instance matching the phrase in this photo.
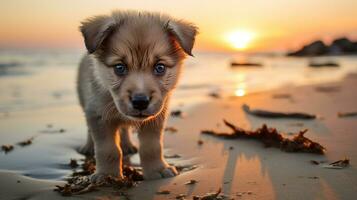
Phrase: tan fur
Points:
(140, 40)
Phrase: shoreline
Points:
(264, 173)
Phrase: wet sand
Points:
(243, 169)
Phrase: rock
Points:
(245, 64)
(339, 46)
(323, 64)
(343, 46)
(316, 48)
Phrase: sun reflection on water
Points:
(240, 89)
(239, 92)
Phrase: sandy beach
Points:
(244, 169)
(260, 97)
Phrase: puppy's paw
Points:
(87, 150)
(101, 178)
(129, 149)
(98, 178)
(167, 172)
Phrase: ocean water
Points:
(44, 78)
(38, 97)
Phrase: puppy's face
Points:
(139, 63)
(140, 66)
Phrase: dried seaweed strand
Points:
(271, 114)
(347, 114)
(270, 137)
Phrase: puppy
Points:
(125, 80)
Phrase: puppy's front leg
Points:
(126, 145)
(150, 150)
(88, 148)
(108, 154)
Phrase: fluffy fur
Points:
(140, 40)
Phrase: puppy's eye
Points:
(120, 69)
(159, 69)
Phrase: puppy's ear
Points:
(95, 30)
(184, 33)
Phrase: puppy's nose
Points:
(140, 101)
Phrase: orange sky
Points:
(275, 24)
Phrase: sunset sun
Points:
(240, 39)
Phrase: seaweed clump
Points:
(79, 182)
(270, 137)
(212, 196)
(7, 148)
(340, 164)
